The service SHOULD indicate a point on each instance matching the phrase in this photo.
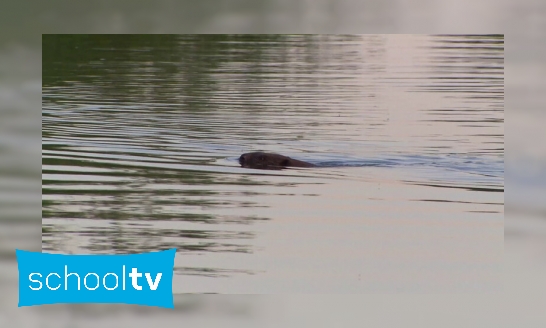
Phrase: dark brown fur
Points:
(270, 161)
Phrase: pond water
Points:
(141, 137)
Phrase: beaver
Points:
(270, 161)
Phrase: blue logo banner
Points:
(144, 279)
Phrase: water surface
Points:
(141, 135)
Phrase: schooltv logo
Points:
(144, 279)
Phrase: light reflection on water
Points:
(141, 138)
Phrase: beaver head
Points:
(269, 161)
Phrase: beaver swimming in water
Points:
(270, 161)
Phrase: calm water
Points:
(141, 135)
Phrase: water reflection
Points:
(141, 137)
